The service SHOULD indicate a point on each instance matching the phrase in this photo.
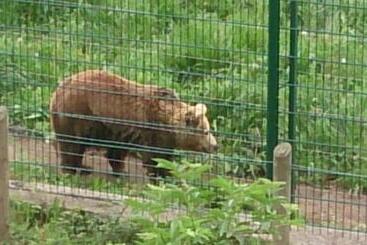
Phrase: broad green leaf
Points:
(223, 183)
(163, 163)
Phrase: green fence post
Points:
(273, 83)
(293, 83)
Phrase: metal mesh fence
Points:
(210, 52)
(325, 110)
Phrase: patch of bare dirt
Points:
(323, 236)
(333, 207)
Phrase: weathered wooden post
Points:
(4, 176)
(282, 166)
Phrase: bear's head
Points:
(195, 130)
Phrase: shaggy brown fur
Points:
(98, 105)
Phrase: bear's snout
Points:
(213, 148)
(212, 145)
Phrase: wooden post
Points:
(282, 166)
(4, 175)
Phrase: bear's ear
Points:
(167, 93)
(200, 110)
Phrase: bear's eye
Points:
(192, 122)
(189, 121)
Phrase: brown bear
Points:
(95, 105)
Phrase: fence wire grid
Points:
(306, 86)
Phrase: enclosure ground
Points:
(323, 236)
(331, 207)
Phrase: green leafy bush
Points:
(187, 211)
(35, 224)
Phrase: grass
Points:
(209, 51)
(36, 172)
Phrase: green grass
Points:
(209, 51)
(36, 172)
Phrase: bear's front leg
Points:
(116, 158)
(154, 171)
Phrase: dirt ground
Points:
(331, 207)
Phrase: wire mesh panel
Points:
(124, 82)
(98, 89)
(327, 70)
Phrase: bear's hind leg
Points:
(71, 155)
